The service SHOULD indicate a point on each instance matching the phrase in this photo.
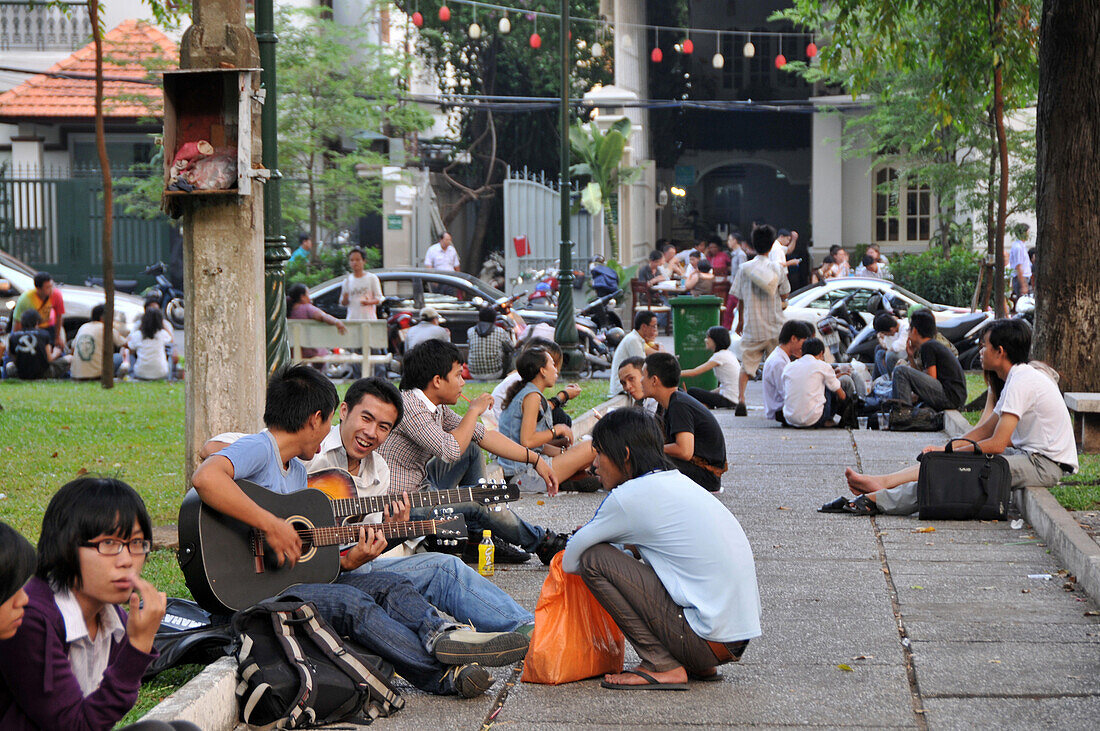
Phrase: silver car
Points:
(16, 278)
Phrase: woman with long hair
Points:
(725, 366)
(149, 344)
(526, 418)
(17, 562)
(300, 307)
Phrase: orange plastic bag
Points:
(575, 638)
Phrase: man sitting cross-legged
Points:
(791, 337)
(371, 409)
(693, 440)
(812, 391)
(941, 384)
(1029, 425)
(433, 447)
(668, 562)
(380, 610)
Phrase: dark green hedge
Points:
(947, 279)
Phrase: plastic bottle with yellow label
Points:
(486, 555)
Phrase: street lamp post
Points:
(276, 252)
(565, 330)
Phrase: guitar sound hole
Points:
(307, 541)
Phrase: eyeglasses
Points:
(111, 547)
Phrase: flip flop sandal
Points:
(862, 505)
(713, 678)
(651, 683)
(840, 505)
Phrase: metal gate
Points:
(532, 211)
(56, 225)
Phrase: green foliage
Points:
(330, 262)
(945, 278)
(930, 87)
(601, 158)
(335, 89)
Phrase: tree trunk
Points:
(1002, 192)
(611, 223)
(107, 378)
(1068, 237)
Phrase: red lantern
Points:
(444, 13)
(535, 40)
(811, 50)
(418, 19)
(780, 61)
(688, 46)
(656, 56)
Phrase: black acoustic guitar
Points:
(339, 485)
(227, 569)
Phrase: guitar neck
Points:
(340, 534)
(347, 507)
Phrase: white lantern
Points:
(749, 50)
(474, 31)
(597, 50)
(504, 26)
(718, 61)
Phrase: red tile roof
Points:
(133, 50)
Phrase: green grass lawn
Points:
(53, 432)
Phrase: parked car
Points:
(455, 295)
(16, 278)
(813, 301)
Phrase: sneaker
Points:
(740, 409)
(582, 484)
(468, 681)
(551, 544)
(504, 553)
(492, 649)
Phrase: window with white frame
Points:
(902, 207)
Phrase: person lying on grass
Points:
(683, 590)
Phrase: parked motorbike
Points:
(839, 327)
(169, 296)
(605, 280)
(492, 270)
(121, 285)
(602, 311)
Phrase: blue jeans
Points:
(384, 613)
(448, 583)
(464, 471)
(884, 362)
(504, 524)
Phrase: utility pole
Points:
(222, 252)
(565, 329)
(276, 252)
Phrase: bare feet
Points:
(862, 484)
(676, 675)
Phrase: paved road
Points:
(940, 629)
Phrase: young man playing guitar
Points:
(371, 409)
(380, 610)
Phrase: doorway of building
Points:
(735, 195)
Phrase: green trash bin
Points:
(691, 318)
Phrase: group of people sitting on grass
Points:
(679, 581)
(36, 348)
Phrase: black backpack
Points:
(914, 418)
(189, 634)
(297, 672)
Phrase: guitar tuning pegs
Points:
(481, 481)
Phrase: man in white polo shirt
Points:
(442, 256)
(791, 337)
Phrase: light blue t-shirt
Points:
(256, 458)
(694, 544)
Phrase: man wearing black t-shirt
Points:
(32, 351)
(941, 385)
(693, 439)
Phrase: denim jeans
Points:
(384, 613)
(464, 471)
(448, 583)
(504, 524)
(884, 362)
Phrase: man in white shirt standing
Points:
(1020, 263)
(361, 291)
(1030, 426)
(442, 256)
(791, 338)
(679, 581)
(782, 247)
(812, 391)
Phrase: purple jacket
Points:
(37, 687)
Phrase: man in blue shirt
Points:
(668, 562)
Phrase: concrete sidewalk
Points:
(940, 629)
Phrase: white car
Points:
(812, 302)
(16, 278)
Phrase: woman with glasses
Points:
(77, 659)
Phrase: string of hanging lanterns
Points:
(685, 47)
